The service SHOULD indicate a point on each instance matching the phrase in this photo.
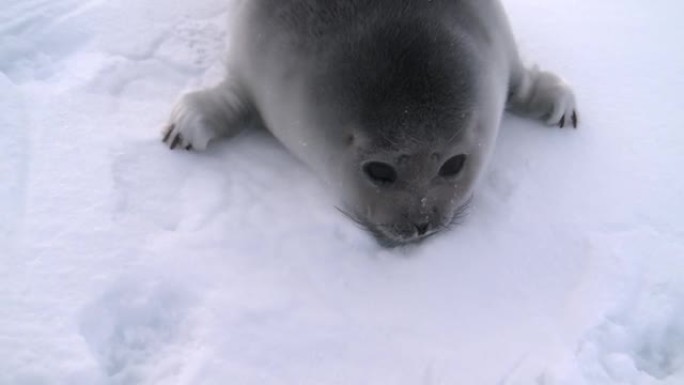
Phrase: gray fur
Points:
(409, 83)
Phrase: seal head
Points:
(406, 97)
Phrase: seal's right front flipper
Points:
(201, 116)
(542, 95)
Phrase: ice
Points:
(124, 263)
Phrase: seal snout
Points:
(406, 231)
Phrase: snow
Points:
(124, 263)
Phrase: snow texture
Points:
(122, 262)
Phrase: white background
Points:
(124, 263)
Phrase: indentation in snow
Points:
(132, 328)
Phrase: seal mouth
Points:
(391, 239)
(390, 236)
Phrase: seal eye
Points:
(453, 166)
(380, 173)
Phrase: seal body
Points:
(394, 103)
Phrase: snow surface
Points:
(124, 263)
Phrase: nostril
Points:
(422, 228)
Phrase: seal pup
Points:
(396, 104)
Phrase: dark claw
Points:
(168, 133)
(188, 147)
(562, 122)
(176, 141)
(574, 119)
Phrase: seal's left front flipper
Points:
(201, 116)
(543, 95)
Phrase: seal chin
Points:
(400, 235)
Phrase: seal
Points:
(395, 104)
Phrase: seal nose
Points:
(422, 228)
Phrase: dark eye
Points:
(453, 166)
(380, 173)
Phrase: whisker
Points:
(460, 214)
(374, 231)
(361, 224)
